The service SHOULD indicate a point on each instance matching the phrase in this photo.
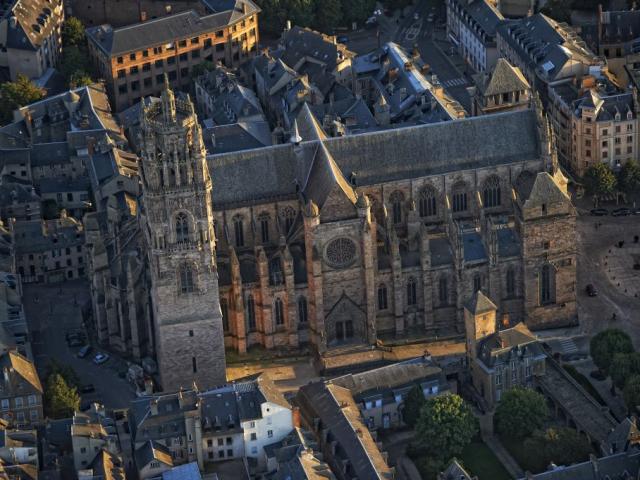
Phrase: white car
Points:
(100, 358)
(416, 16)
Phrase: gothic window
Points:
(511, 282)
(224, 308)
(427, 205)
(397, 198)
(547, 284)
(491, 192)
(251, 313)
(443, 291)
(238, 228)
(382, 297)
(288, 215)
(411, 291)
(340, 252)
(477, 283)
(186, 279)
(264, 227)
(302, 310)
(459, 194)
(279, 312)
(348, 329)
(275, 271)
(182, 228)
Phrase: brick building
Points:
(134, 59)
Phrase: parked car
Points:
(89, 388)
(100, 358)
(343, 39)
(621, 212)
(599, 212)
(416, 16)
(591, 290)
(598, 375)
(84, 351)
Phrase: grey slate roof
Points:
(234, 137)
(152, 451)
(163, 30)
(504, 78)
(621, 466)
(480, 304)
(499, 346)
(483, 14)
(35, 21)
(380, 156)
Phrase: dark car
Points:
(621, 212)
(591, 290)
(599, 212)
(89, 388)
(597, 375)
(343, 39)
(75, 342)
(84, 351)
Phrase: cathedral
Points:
(349, 240)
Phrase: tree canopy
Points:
(629, 177)
(560, 445)
(73, 32)
(17, 94)
(599, 179)
(606, 344)
(446, 425)
(75, 66)
(322, 15)
(623, 366)
(631, 393)
(520, 412)
(61, 400)
(413, 405)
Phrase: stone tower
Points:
(480, 322)
(178, 224)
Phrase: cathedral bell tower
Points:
(178, 225)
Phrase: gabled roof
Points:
(504, 78)
(152, 451)
(480, 304)
(545, 190)
(308, 126)
(35, 20)
(324, 177)
(19, 369)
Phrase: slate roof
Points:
(21, 371)
(473, 247)
(36, 236)
(325, 176)
(455, 471)
(483, 14)
(606, 105)
(377, 157)
(620, 26)
(480, 304)
(624, 436)
(35, 22)
(340, 416)
(621, 466)
(152, 451)
(188, 471)
(164, 30)
(544, 191)
(62, 184)
(504, 78)
(501, 345)
(441, 253)
(388, 381)
(508, 243)
(235, 137)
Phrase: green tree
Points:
(357, 10)
(65, 371)
(413, 405)
(202, 68)
(61, 399)
(623, 366)
(606, 344)
(559, 10)
(73, 32)
(75, 66)
(631, 393)
(80, 79)
(599, 179)
(629, 177)
(446, 425)
(17, 94)
(560, 445)
(328, 15)
(520, 412)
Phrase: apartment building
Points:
(471, 26)
(21, 392)
(134, 59)
(30, 36)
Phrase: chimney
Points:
(91, 142)
(296, 417)
(287, 26)
(143, 16)
(154, 406)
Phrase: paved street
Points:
(435, 49)
(51, 311)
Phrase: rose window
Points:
(340, 252)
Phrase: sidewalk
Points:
(505, 458)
